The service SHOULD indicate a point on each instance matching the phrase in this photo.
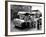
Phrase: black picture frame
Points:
(6, 18)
